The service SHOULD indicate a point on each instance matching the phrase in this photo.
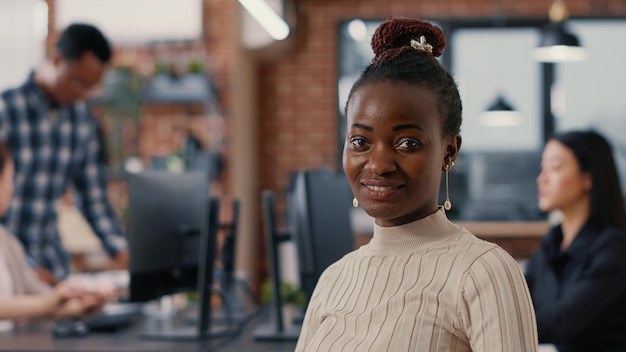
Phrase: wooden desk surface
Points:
(530, 229)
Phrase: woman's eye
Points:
(358, 142)
(552, 167)
(409, 144)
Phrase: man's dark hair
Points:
(79, 38)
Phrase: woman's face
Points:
(561, 183)
(394, 151)
(6, 187)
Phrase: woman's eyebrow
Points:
(367, 128)
(407, 126)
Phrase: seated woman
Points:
(577, 276)
(22, 294)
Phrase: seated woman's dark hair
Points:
(406, 51)
(595, 156)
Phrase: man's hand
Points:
(120, 261)
(46, 276)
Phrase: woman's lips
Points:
(379, 192)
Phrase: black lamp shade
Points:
(555, 33)
(557, 44)
(500, 105)
(500, 114)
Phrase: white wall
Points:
(23, 28)
(135, 21)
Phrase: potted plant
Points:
(293, 299)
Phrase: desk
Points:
(520, 239)
(36, 337)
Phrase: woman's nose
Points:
(381, 161)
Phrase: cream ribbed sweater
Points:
(424, 286)
(24, 278)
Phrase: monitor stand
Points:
(163, 322)
(176, 330)
(276, 329)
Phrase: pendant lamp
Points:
(557, 44)
(500, 114)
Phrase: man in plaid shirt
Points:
(54, 144)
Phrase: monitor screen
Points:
(318, 208)
(167, 215)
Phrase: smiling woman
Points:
(422, 282)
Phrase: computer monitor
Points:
(501, 186)
(318, 221)
(172, 240)
(318, 213)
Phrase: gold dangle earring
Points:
(355, 202)
(447, 205)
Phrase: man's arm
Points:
(90, 183)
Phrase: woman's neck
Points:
(574, 218)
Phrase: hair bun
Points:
(398, 32)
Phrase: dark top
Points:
(580, 294)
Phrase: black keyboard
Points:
(114, 316)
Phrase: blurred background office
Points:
(266, 103)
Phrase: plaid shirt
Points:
(54, 148)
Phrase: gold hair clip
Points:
(421, 44)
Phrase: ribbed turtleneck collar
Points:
(414, 236)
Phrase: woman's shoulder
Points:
(613, 231)
(7, 238)
(6, 235)
(474, 251)
(9, 244)
(474, 245)
(609, 236)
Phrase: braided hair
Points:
(406, 50)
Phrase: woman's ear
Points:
(452, 151)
